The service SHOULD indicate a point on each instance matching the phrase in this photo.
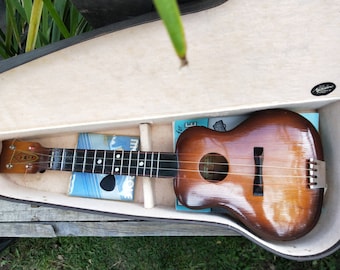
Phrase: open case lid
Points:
(242, 57)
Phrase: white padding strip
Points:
(145, 138)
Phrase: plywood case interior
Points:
(243, 57)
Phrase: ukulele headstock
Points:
(22, 157)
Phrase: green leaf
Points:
(58, 18)
(34, 25)
(45, 26)
(3, 52)
(169, 12)
(27, 6)
(19, 8)
(74, 20)
(82, 27)
(12, 29)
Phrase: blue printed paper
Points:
(89, 184)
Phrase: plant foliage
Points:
(235, 253)
(32, 24)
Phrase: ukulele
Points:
(267, 173)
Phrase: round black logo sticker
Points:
(323, 89)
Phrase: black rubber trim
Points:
(5, 242)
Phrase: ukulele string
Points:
(151, 174)
(306, 170)
(283, 184)
(112, 160)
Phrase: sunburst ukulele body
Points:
(262, 172)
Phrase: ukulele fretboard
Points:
(151, 164)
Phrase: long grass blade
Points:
(45, 26)
(17, 5)
(82, 27)
(12, 28)
(34, 25)
(3, 50)
(169, 12)
(46, 20)
(3, 53)
(58, 18)
(27, 6)
(74, 20)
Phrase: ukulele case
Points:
(125, 79)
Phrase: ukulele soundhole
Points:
(213, 167)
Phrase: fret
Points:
(94, 161)
(113, 162)
(84, 161)
(73, 159)
(151, 164)
(52, 159)
(144, 164)
(104, 162)
(129, 165)
(157, 169)
(62, 159)
(137, 163)
(121, 162)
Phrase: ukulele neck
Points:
(134, 163)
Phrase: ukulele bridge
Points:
(316, 174)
